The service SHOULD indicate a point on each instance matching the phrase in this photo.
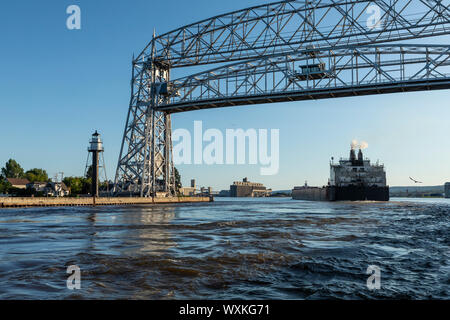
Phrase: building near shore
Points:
(224, 193)
(37, 186)
(447, 190)
(205, 192)
(247, 189)
(188, 191)
(57, 189)
(18, 183)
(49, 189)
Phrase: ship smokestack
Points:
(352, 155)
(360, 156)
(353, 147)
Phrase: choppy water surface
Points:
(230, 249)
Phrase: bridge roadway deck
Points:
(310, 94)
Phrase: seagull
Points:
(415, 181)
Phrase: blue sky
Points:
(57, 86)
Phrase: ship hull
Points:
(350, 193)
(355, 193)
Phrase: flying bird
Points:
(415, 181)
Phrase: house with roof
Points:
(37, 186)
(18, 183)
(56, 189)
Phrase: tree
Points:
(178, 184)
(12, 170)
(87, 182)
(36, 175)
(5, 186)
(78, 185)
(89, 172)
(75, 184)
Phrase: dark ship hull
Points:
(358, 193)
(349, 193)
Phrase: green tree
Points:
(86, 185)
(5, 186)
(12, 170)
(75, 184)
(103, 185)
(36, 175)
(89, 172)
(78, 185)
(178, 184)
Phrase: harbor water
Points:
(272, 248)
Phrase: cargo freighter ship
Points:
(353, 179)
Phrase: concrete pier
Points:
(75, 202)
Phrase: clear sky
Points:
(57, 86)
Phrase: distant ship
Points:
(353, 179)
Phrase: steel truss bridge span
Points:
(284, 51)
(288, 26)
(349, 71)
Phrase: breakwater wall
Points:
(75, 202)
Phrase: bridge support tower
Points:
(145, 167)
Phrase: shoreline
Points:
(77, 202)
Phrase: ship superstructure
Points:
(353, 179)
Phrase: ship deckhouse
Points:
(357, 171)
(352, 179)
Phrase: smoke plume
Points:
(359, 145)
(363, 145)
(354, 144)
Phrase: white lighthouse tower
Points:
(96, 148)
